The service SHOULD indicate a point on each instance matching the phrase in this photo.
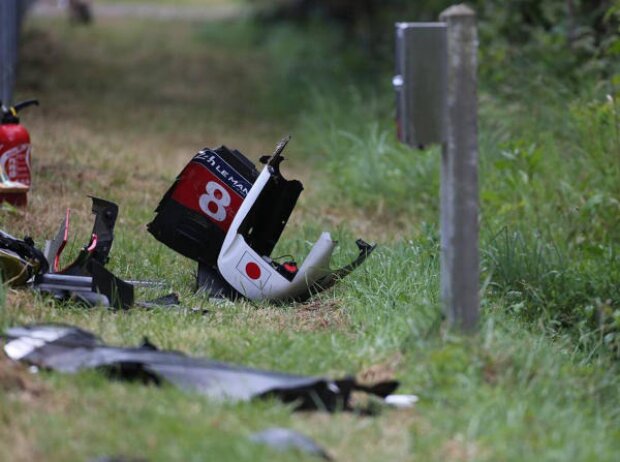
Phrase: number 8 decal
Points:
(213, 203)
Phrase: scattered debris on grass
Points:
(228, 217)
(86, 279)
(221, 212)
(70, 349)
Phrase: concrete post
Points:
(459, 173)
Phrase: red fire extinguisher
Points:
(14, 155)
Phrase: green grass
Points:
(126, 104)
(549, 171)
(477, 395)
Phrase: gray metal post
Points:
(459, 173)
(8, 48)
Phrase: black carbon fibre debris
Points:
(70, 349)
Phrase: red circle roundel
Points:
(252, 270)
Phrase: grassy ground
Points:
(124, 106)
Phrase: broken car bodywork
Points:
(99, 246)
(229, 217)
(85, 279)
(20, 260)
(245, 262)
(70, 349)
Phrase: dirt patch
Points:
(314, 316)
(22, 396)
(15, 378)
(320, 315)
(458, 449)
(381, 372)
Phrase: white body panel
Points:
(252, 276)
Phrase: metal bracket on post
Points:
(436, 87)
(420, 82)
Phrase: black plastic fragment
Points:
(100, 289)
(86, 279)
(209, 279)
(120, 293)
(70, 349)
(332, 278)
(105, 213)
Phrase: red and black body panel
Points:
(194, 215)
